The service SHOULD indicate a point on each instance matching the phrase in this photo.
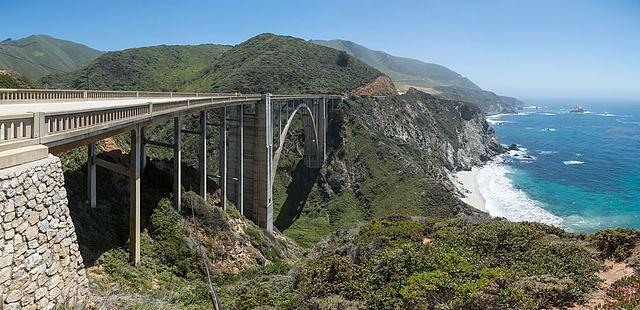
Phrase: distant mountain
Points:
(403, 71)
(427, 77)
(265, 63)
(39, 55)
(489, 102)
(156, 68)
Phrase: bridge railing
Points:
(16, 127)
(47, 127)
(33, 95)
(43, 127)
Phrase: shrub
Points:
(616, 243)
(389, 231)
(330, 275)
(211, 217)
(167, 229)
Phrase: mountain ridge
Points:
(38, 55)
(431, 78)
(402, 68)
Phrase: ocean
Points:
(580, 172)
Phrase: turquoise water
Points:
(577, 171)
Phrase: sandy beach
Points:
(468, 184)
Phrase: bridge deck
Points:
(19, 107)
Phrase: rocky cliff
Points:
(386, 156)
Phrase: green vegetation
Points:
(284, 65)
(157, 68)
(39, 55)
(10, 79)
(402, 70)
(450, 264)
(265, 63)
(616, 243)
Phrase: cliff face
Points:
(450, 134)
(386, 156)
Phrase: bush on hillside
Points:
(464, 266)
(616, 243)
(168, 229)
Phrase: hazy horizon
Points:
(570, 49)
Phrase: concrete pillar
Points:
(223, 158)
(202, 155)
(263, 161)
(250, 131)
(235, 158)
(241, 157)
(91, 175)
(322, 130)
(177, 163)
(134, 196)
(143, 150)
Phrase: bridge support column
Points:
(322, 130)
(143, 150)
(223, 159)
(91, 175)
(134, 196)
(202, 155)
(235, 157)
(177, 163)
(258, 167)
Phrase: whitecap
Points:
(548, 129)
(573, 162)
(547, 152)
(503, 199)
(549, 114)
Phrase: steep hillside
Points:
(402, 70)
(387, 156)
(9, 79)
(280, 64)
(39, 55)
(157, 68)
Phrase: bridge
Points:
(253, 128)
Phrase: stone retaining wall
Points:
(40, 264)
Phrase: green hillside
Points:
(265, 63)
(281, 64)
(157, 68)
(39, 55)
(402, 70)
(9, 79)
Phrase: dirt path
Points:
(613, 272)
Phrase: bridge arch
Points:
(310, 134)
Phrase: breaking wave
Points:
(503, 199)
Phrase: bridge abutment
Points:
(40, 262)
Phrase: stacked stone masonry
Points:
(40, 263)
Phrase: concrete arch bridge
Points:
(253, 129)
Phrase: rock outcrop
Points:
(381, 86)
(40, 264)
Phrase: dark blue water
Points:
(578, 171)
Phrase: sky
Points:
(553, 49)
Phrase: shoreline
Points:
(467, 185)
